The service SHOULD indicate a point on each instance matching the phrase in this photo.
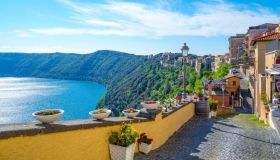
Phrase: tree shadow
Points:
(238, 134)
(225, 124)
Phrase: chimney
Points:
(209, 89)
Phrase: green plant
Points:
(265, 101)
(278, 53)
(213, 104)
(276, 94)
(47, 112)
(126, 136)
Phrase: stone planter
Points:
(132, 114)
(150, 106)
(100, 116)
(145, 148)
(48, 118)
(122, 153)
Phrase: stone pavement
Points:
(233, 138)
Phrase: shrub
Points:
(265, 101)
(126, 136)
(144, 139)
(213, 104)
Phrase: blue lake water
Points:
(19, 97)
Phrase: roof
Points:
(231, 75)
(219, 81)
(267, 37)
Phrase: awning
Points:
(273, 71)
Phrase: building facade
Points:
(236, 47)
(254, 32)
(265, 47)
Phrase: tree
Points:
(198, 86)
(222, 71)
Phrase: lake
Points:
(19, 97)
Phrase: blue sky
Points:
(140, 27)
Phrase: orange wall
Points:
(220, 100)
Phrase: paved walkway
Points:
(233, 138)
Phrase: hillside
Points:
(128, 78)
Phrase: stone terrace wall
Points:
(82, 139)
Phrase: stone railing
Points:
(83, 139)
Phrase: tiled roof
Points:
(231, 75)
(267, 37)
(219, 81)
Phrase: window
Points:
(233, 83)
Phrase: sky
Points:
(139, 27)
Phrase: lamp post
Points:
(223, 88)
(185, 51)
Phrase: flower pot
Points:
(100, 115)
(150, 106)
(48, 118)
(145, 148)
(131, 115)
(121, 153)
(210, 114)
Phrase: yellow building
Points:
(230, 97)
(264, 58)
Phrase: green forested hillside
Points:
(128, 78)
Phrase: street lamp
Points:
(223, 88)
(185, 51)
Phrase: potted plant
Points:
(131, 112)
(195, 98)
(213, 104)
(168, 104)
(145, 143)
(276, 94)
(48, 115)
(178, 97)
(150, 104)
(200, 95)
(122, 143)
(100, 113)
(265, 102)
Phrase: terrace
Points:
(85, 139)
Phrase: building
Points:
(236, 47)
(219, 60)
(198, 64)
(208, 63)
(254, 32)
(230, 97)
(264, 53)
(272, 65)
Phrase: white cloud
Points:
(21, 33)
(135, 19)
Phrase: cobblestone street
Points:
(239, 137)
